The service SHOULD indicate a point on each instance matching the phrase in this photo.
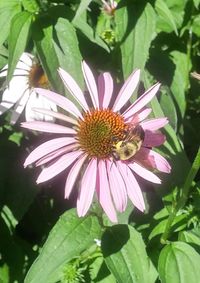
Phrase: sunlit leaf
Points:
(69, 237)
(179, 262)
(125, 255)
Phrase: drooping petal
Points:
(13, 93)
(36, 100)
(142, 101)
(47, 127)
(105, 87)
(127, 90)
(144, 173)
(154, 124)
(19, 107)
(73, 88)
(87, 188)
(91, 84)
(53, 155)
(58, 166)
(61, 101)
(73, 174)
(153, 160)
(55, 115)
(117, 186)
(103, 192)
(138, 117)
(132, 186)
(152, 139)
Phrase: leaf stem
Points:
(183, 197)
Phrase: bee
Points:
(126, 148)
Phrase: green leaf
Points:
(82, 7)
(167, 104)
(8, 9)
(191, 237)
(179, 223)
(19, 32)
(180, 79)
(179, 262)
(196, 25)
(31, 6)
(125, 255)
(67, 49)
(4, 274)
(81, 24)
(170, 15)
(69, 237)
(134, 47)
(196, 3)
(99, 272)
(165, 13)
(43, 39)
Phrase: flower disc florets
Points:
(96, 132)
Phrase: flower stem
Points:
(183, 198)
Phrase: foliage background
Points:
(162, 39)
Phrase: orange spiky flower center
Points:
(96, 132)
(37, 77)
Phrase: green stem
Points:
(183, 198)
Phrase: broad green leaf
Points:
(134, 37)
(179, 262)
(125, 255)
(8, 9)
(69, 237)
(19, 33)
(165, 13)
(31, 6)
(82, 7)
(43, 39)
(180, 82)
(67, 49)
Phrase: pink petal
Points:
(73, 88)
(47, 127)
(103, 192)
(153, 160)
(61, 101)
(117, 186)
(73, 174)
(91, 84)
(127, 90)
(27, 59)
(144, 173)
(105, 87)
(142, 101)
(46, 148)
(19, 107)
(152, 139)
(55, 154)
(56, 115)
(87, 189)
(132, 186)
(140, 116)
(57, 167)
(154, 124)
